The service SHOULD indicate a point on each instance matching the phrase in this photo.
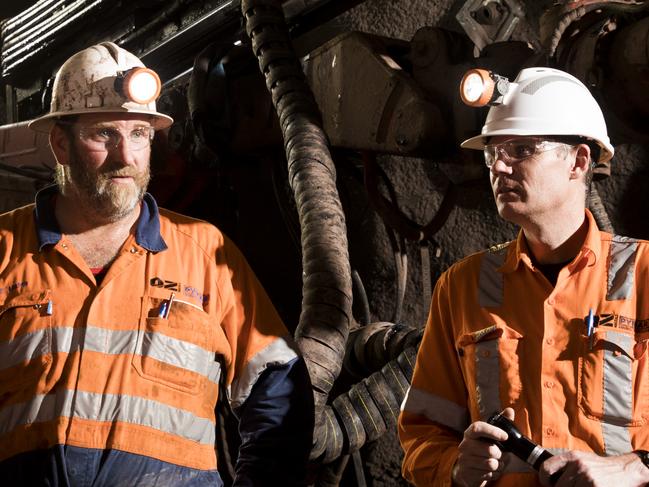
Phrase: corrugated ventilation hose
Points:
(327, 284)
(372, 405)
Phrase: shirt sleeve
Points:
(276, 428)
(267, 381)
(434, 413)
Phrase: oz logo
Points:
(157, 282)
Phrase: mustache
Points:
(122, 172)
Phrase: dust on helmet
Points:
(103, 79)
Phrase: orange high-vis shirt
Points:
(134, 363)
(500, 335)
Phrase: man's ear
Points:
(60, 144)
(581, 163)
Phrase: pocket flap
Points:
(615, 340)
(492, 332)
(25, 299)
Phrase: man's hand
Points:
(480, 460)
(589, 469)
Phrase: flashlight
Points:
(480, 87)
(140, 85)
(520, 445)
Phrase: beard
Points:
(95, 189)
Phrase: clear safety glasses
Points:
(102, 138)
(516, 150)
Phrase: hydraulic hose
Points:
(326, 313)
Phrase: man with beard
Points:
(121, 323)
(552, 328)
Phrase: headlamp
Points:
(480, 87)
(140, 85)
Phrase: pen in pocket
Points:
(590, 328)
(165, 307)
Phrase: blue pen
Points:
(162, 312)
(168, 307)
(590, 324)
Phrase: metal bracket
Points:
(489, 21)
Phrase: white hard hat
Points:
(96, 80)
(546, 101)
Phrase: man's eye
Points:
(521, 151)
(104, 134)
(141, 133)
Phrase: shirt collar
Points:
(590, 250)
(47, 228)
(147, 233)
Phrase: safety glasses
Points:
(518, 149)
(104, 138)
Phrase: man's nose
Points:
(500, 166)
(123, 150)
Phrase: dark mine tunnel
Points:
(348, 203)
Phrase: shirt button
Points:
(551, 301)
(133, 250)
(549, 341)
(549, 384)
(549, 431)
(486, 353)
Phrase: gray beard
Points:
(96, 194)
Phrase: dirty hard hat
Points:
(103, 79)
(546, 101)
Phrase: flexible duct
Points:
(372, 405)
(327, 284)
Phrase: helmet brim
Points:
(45, 123)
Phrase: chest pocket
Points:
(491, 368)
(614, 382)
(176, 351)
(25, 340)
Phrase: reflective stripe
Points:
(436, 408)
(490, 284)
(621, 268)
(109, 408)
(279, 352)
(24, 347)
(110, 342)
(487, 377)
(179, 353)
(618, 374)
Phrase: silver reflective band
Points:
(163, 348)
(491, 282)
(621, 268)
(112, 408)
(534, 456)
(437, 409)
(279, 352)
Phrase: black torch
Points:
(520, 445)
